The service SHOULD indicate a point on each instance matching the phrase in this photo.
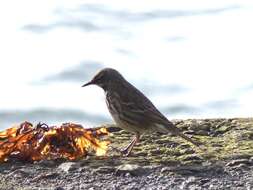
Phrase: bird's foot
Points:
(125, 152)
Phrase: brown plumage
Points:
(131, 109)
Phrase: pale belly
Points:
(129, 127)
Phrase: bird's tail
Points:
(175, 131)
(188, 139)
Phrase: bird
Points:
(131, 110)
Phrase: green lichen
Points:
(221, 139)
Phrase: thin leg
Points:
(127, 150)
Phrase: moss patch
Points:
(221, 139)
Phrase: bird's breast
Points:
(115, 108)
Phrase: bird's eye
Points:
(98, 78)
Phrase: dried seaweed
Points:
(32, 143)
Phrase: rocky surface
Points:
(224, 161)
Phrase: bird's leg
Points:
(127, 150)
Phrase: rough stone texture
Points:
(225, 161)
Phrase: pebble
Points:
(238, 162)
(105, 169)
(132, 169)
(68, 166)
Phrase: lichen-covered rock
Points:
(225, 161)
(222, 139)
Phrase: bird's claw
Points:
(124, 152)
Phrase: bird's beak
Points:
(87, 84)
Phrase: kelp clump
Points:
(69, 141)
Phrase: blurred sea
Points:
(192, 58)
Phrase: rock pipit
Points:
(131, 109)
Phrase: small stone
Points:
(205, 180)
(240, 167)
(192, 157)
(45, 176)
(68, 166)
(133, 169)
(19, 173)
(190, 132)
(177, 121)
(202, 132)
(156, 152)
(165, 169)
(234, 121)
(105, 169)
(223, 129)
(185, 184)
(204, 127)
(191, 179)
(205, 164)
(237, 162)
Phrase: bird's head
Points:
(105, 78)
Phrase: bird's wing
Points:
(137, 109)
(136, 105)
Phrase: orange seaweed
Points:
(32, 143)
